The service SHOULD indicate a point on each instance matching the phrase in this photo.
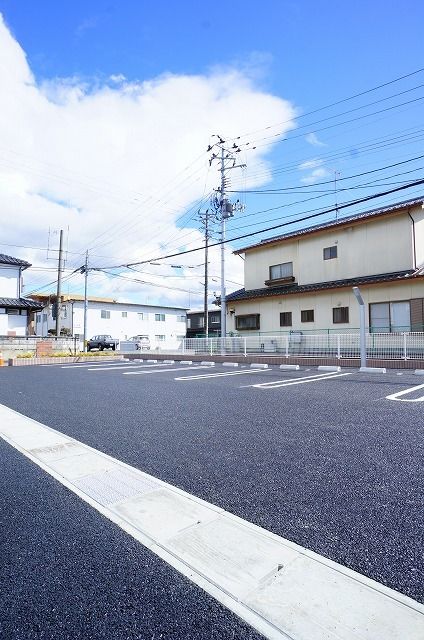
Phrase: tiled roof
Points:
(357, 217)
(284, 290)
(20, 303)
(13, 261)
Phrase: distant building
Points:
(196, 323)
(302, 281)
(15, 310)
(165, 326)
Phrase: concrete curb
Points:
(372, 370)
(25, 362)
(293, 367)
(259, 365)
(328, 368)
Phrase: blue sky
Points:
(309, 54)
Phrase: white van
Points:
(141, 343)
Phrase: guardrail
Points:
(393, 346)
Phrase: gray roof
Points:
(4, 259)
(357, 217)
(293, 288)
(20, 303)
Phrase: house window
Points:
(160, 338)
(160, 317)
(188, 323)
(38, 318)
(200, 322)
(250, 321)
(330, 252)
(124, 314)
(140, 316)
(281, 271)
(44, 317)
(340, 315)
(286, 319)
(181, 318)
(12, 312)
(307, 315)
(215, 318)
(105, 315)
(389, 317)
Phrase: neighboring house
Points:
(14, 309)
(196, 323)
(302, 281)
(122, 320)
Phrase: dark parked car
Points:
(102, 342)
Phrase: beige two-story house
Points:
(302, 281)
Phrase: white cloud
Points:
(117, 162)
(315, 176)
(311, 164)
(314, 141)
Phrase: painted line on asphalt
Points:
(129, 366)
(295, 379)
(96, 365)
(215, 375)
(83, 364)
(140, 373)
(283, 590)
(397, 396)
(264, 386)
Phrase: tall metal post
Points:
(205, 305)
(223, 218)
(363, 342)
(85, 301)
(59, 284)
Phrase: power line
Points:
(278, 226)
(333, 104)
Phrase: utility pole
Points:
(59, 284)
(225, 208)
(223, 225)
(85, 271)
(205, 221)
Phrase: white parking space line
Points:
(306, 380)
(94, 365)
(216, 375)
(283, 590)
(128, 366)
(139, 373)
(84, 364)
(397, 396)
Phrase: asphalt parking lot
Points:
(330, 461)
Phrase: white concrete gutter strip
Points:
(281, 589)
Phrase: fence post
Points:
(184, 343)
(245, 347)
(405, 357)
(338, 346)
(287, 346)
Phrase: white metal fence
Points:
(393, 346)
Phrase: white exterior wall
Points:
(379, 245)
(9, 281)
(11, 324)
(419, 236)
(322, 302)
(119, 327)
